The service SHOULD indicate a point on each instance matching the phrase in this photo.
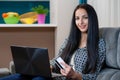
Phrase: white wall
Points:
(108, 12)
(61, 14)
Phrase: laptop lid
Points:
(31, 61)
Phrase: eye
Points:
(85, 17)
(76, 18)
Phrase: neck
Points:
(83, 40)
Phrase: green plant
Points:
(40, 9)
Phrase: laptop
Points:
(32, 61)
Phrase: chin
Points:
(83, 31)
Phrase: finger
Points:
(64, 64)
(63, 72)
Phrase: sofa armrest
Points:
(4, 72)
(12, 67)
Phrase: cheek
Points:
(76, 22)
(86, 22)
(77, 25)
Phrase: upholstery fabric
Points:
(112, 39)
(109, 74)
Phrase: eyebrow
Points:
(81, 15)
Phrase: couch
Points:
(111, 71)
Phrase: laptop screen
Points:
(31, 61)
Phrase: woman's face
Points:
(81, 20)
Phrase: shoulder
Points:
(64, 43)
(101, 45)
(101, 50)
(101, 41)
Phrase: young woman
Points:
(83, 49)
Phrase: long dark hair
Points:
(92, 39)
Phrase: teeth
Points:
(82, 27)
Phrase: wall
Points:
(61, 14)
(29, 36)
(108, 12)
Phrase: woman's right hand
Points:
(70, 73)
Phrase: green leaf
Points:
(40, 9)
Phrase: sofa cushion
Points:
(109, 74)
(112, 40)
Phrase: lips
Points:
(83, 26)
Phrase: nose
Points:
(80, 21)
